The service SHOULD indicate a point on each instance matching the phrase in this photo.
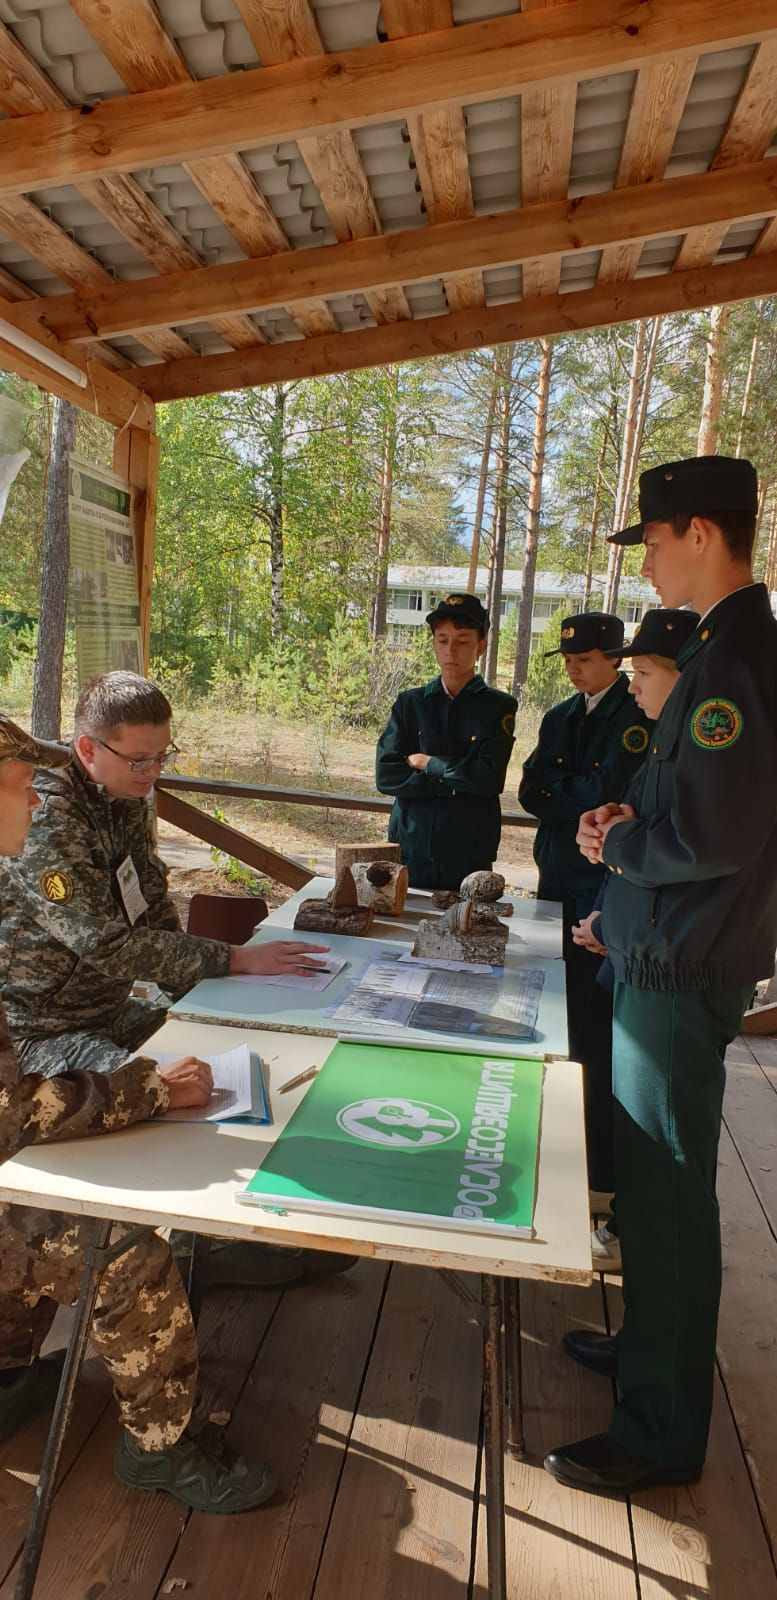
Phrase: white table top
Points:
(534, 941)
(189, 1176)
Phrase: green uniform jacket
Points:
(580, 761)
(447, 820)
(68, 952)
(692, 898)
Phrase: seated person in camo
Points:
(85, 910)
(444, 755)
(142, 1327)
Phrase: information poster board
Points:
(104, 599)
(416, 1135)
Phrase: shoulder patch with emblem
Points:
(508, 724)
(635, 739)
(57, 887)
(716, 724)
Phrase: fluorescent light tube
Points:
(42, 353)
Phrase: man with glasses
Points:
(142, 1328)
(85, 910)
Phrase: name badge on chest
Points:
(130, 891)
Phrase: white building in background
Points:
(413, 591)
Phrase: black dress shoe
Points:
(596, 1351)
(238, 1265)
(602, 1466)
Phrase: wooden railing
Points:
(235, 843)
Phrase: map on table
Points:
(420, 1136)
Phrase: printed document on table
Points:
(231, 1095)
(316, 982)
(447, 1000)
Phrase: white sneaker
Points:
(606, 1250)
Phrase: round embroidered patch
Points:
(635, 740)
(508, 724)
(715, 724)
(57, 886)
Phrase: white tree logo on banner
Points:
(403, 1124)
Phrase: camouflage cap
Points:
(16, 745)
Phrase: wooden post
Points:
(136, 458)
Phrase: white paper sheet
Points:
(231, 1095)
(296, 980)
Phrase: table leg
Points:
(494, 1437)
(198, 1271)
(516, 1442)
(97, 1254)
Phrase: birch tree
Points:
(712, 397)
(643, 363)
(531, 546)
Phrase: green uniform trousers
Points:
(589, 1025)
(668, 1080)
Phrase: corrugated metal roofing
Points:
(214, 40)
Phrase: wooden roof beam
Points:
(657, 105)
(107, 394)
(132, 36)
(480, 61)
(466, 330)
(750, 131)
(439, 141)
(24, 90)
(555, 228)
(547, 130)
(333, 160)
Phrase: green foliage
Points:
(235, 871)
(299, 465)
(547, 682)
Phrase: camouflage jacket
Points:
(35, 1110)
(69, 950)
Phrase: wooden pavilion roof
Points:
(205, 194)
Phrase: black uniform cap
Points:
(661, 633)
(464, 609)
(589, 630)
(697, 487)
(16, 745)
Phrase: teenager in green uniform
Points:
(589, 747)
(653, 652)
(444, 755)
(690, 924)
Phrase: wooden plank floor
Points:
(364, 1392)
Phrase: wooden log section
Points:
(347, 854)
(382, 885)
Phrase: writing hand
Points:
(189, 1082)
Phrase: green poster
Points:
(419, 1135)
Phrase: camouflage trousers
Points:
(101, 1047)
(142, 1326)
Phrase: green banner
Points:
(420, 1135)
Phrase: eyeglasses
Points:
(143, 764)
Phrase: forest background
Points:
(281, 508)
